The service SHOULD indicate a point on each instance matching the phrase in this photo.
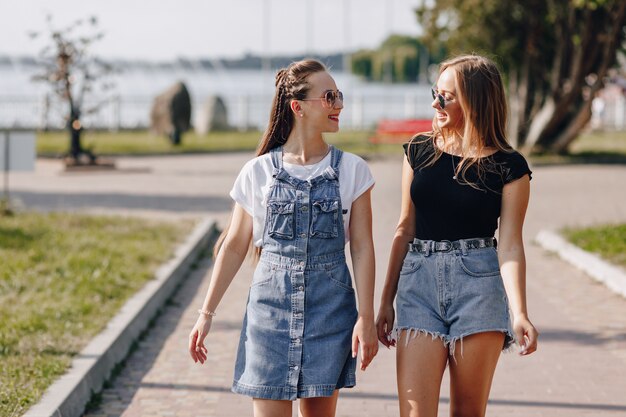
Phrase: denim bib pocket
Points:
(325, 219)
(280, 219)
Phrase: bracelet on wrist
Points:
(207, 313)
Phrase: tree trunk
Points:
(74, 128)
(557, 54)
(567, 109)
(539, 123)
(513, 126)
(519, 87)
(562, 142)
(75, 146)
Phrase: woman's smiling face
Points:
(450, 117)
(314, 110)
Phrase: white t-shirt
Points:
(253, 184)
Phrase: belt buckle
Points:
(448, 245)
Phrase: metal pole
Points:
(309, 27)
(388, 69)
(266, 60)
(347, 64)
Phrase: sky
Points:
(168, 29)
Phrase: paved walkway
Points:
(579, 370)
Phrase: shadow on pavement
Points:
(581, 158)
(548, 335)
(70, 201)
(149, 346)
(387, 397)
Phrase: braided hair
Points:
(291, 83)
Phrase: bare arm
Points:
(227, 263)
(405, 232)
(363, 264)
(512, 259)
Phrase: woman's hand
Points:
(526, 335)
(364, 334)
(384, 325)
(197, 350)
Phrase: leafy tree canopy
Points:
(556, 55)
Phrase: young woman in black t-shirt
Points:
(459, 300)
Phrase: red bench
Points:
(400, 130)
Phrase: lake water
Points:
(247, 94)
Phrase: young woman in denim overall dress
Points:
(453, 289)
(298, 201)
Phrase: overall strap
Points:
(335, 159)
(277, 157)
(332, 172)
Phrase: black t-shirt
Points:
(451, 209)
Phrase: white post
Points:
(17, 153)
(620, 109)
(116, 113)
(43, 114)
(243, 107)
(357, 112)
(409, 106)
(423, 72)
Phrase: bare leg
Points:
(319, 406)
(271, 408)
(471, 374)
(420, 366)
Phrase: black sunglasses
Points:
(440, 98)
(329, 98)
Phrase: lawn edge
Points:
(599, 269)
(68, 395)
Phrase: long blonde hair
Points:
(291, 83)
(480, 94)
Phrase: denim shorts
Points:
(451, 295)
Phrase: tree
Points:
(73, 74)
(361, 63)
(398, 59)
(556, 55)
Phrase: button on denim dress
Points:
(296, 336)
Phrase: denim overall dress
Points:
(297, 331)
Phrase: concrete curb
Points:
(68, 396)
(611, 276)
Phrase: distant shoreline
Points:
(248, 61)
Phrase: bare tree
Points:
(73, 75)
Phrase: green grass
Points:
(589, 147)
(607, 241)
(144, 143)
(62, 277)
(600, 142)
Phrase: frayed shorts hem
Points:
(288, 393)
(450, 341)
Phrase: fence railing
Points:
(245, 111)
